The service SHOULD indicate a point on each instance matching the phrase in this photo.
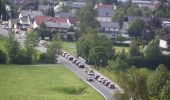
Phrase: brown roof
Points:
(40, 19)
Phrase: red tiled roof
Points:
(40, 19)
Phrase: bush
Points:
(3, 57)
(23, 58)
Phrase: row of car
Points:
(91, 75)
(74, 60)
(99, 78)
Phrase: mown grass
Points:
(42, 82)
(69, 47)
(119, 49)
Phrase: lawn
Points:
(119, 49)
(69, 47)
(42, 82)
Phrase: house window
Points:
(107, 14)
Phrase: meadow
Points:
(43, 82)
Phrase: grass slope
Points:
(69, 47)
(42, 82)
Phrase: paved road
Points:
(105, 91)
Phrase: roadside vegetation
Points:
(42, 82)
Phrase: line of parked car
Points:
(91, 75)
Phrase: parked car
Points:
(90, 78)
(64, 54)
(107, 83)
(75, 60)
(70, 58)
(90, 72)
(96, 76)
(104, 81)
(111, 86)
(80, 65)
(77, 63)
(100, 79)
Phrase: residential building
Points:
(164, 42)
(60, 25)
(105, 12)
(26, 17)
(109, 29)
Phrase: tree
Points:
(96, 49)
(157, 81)
(136, 28)
(53, 51)
(3, 57)
(134, 84)
(12, 47)
(152, 50)
(134, 49)
(87, 17)
(119, 15)
(165, 91)
(2, 8)
(119, 65)
(50, 11)
(30, 44)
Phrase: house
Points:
(74, 6)
(21, 3)
(64, 15)
(151, 4)
(166, 23)
(164, 42)
(105, 12)
(59, 25)
(13, 23)
(26, 17)
(109, 29)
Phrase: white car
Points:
(90, 78)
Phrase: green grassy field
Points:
(120, 48)
(42, 82)
(69, 47)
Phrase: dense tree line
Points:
(96, 49)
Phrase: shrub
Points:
(3, 57)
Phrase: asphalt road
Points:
(103, 90)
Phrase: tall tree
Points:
(134, 84)
(87, 17)
(12, 46)
(136, 28)
(157, 81)
(30, 43)
(152, 50)
(134, 49)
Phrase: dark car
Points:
(104, 81)
(107, 83)
(70, 58)
(96, 77)
(111, 86)
(80, 65)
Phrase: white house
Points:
(164, 42)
